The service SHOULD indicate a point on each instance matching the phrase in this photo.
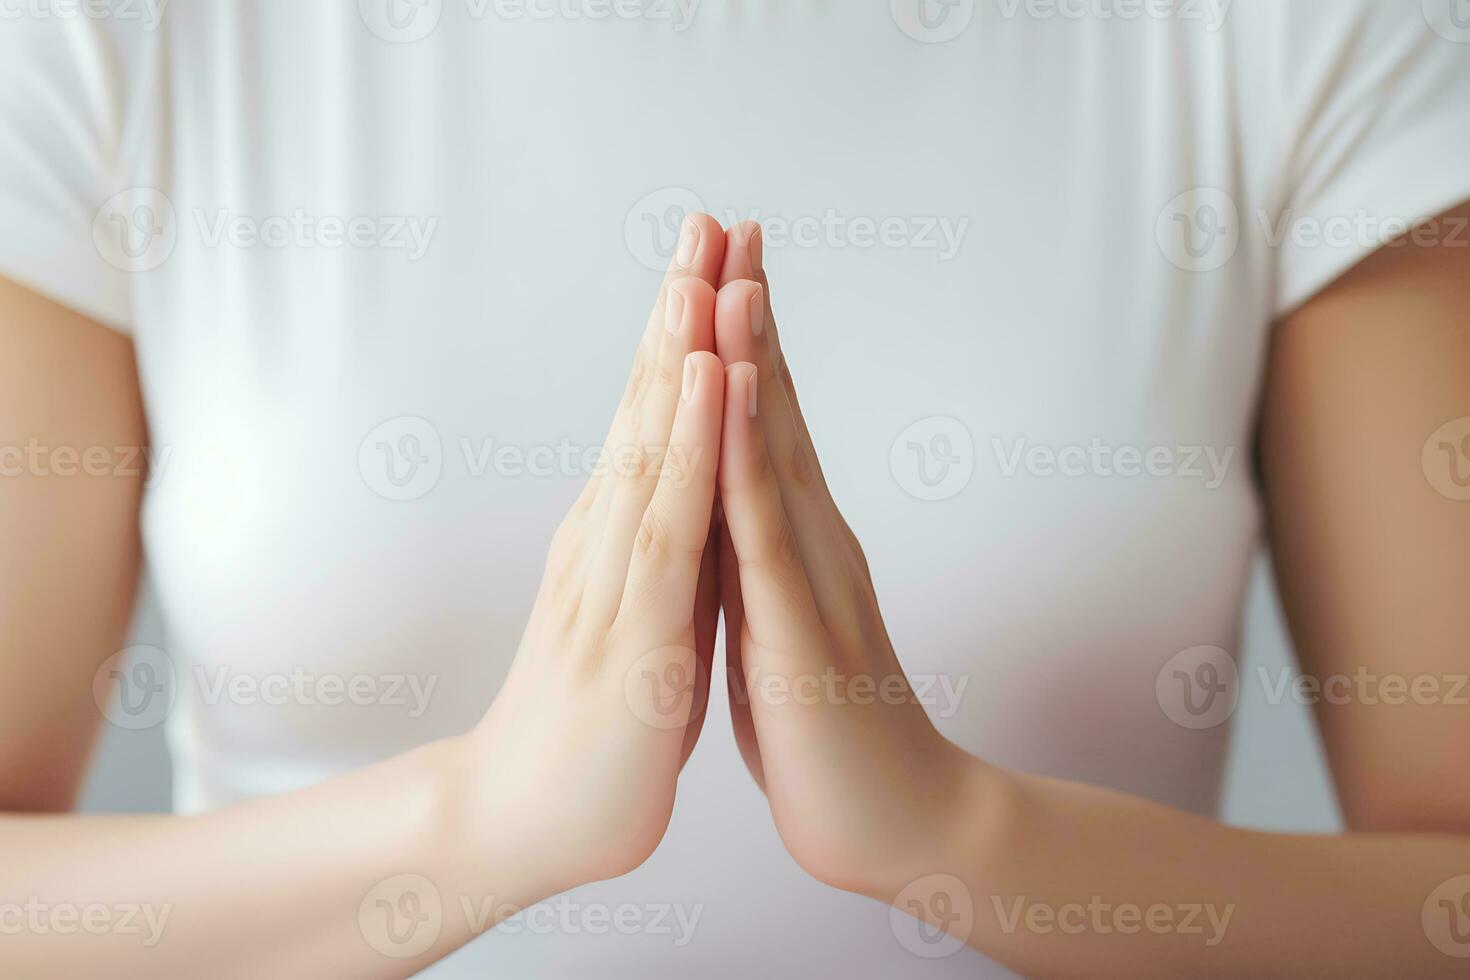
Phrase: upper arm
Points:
(69, 542)
(1372, 558)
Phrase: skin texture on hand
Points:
(860, 783)
(1057, 878)
(568, 778)
(605, 698)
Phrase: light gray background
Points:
(1276, 778)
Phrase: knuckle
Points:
(653, 534)
(638, 378)
(566, 602)
(786, 548)
(802, 466)
(644, 462)
(562, 596)
(668, 375)
(681, 466)
(629, 461)
(660, 539)
(781, 370)
(578, 512)
(776, 557)
(567, 539)
(762, 473)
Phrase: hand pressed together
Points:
(605, 698)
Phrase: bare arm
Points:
(1372, 557)
(65, 384)
(1063, 879)
(272, 886)
(569, 778)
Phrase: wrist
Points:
(985, 819)
(956, 827)
(496, 839)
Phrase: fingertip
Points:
(702, 246)
(744, 250)
(695, 307)
(708, 360)
(704, 376)
(739, 370)
(695, 289)
(745, 236)
(736, 296)
(740, 390)
(707, 223)
(741, 232)
(739, 317)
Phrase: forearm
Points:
(1067, 879)
(273, 887)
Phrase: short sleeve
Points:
(1378, 99)
(62, 98)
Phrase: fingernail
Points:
(757, 250)
(691, 373)
(688, 244)
(674, 310)
(757, 311)
(750, 393)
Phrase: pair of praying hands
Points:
(725, 508)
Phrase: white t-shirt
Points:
(385, 264)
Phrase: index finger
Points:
(700, 254)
